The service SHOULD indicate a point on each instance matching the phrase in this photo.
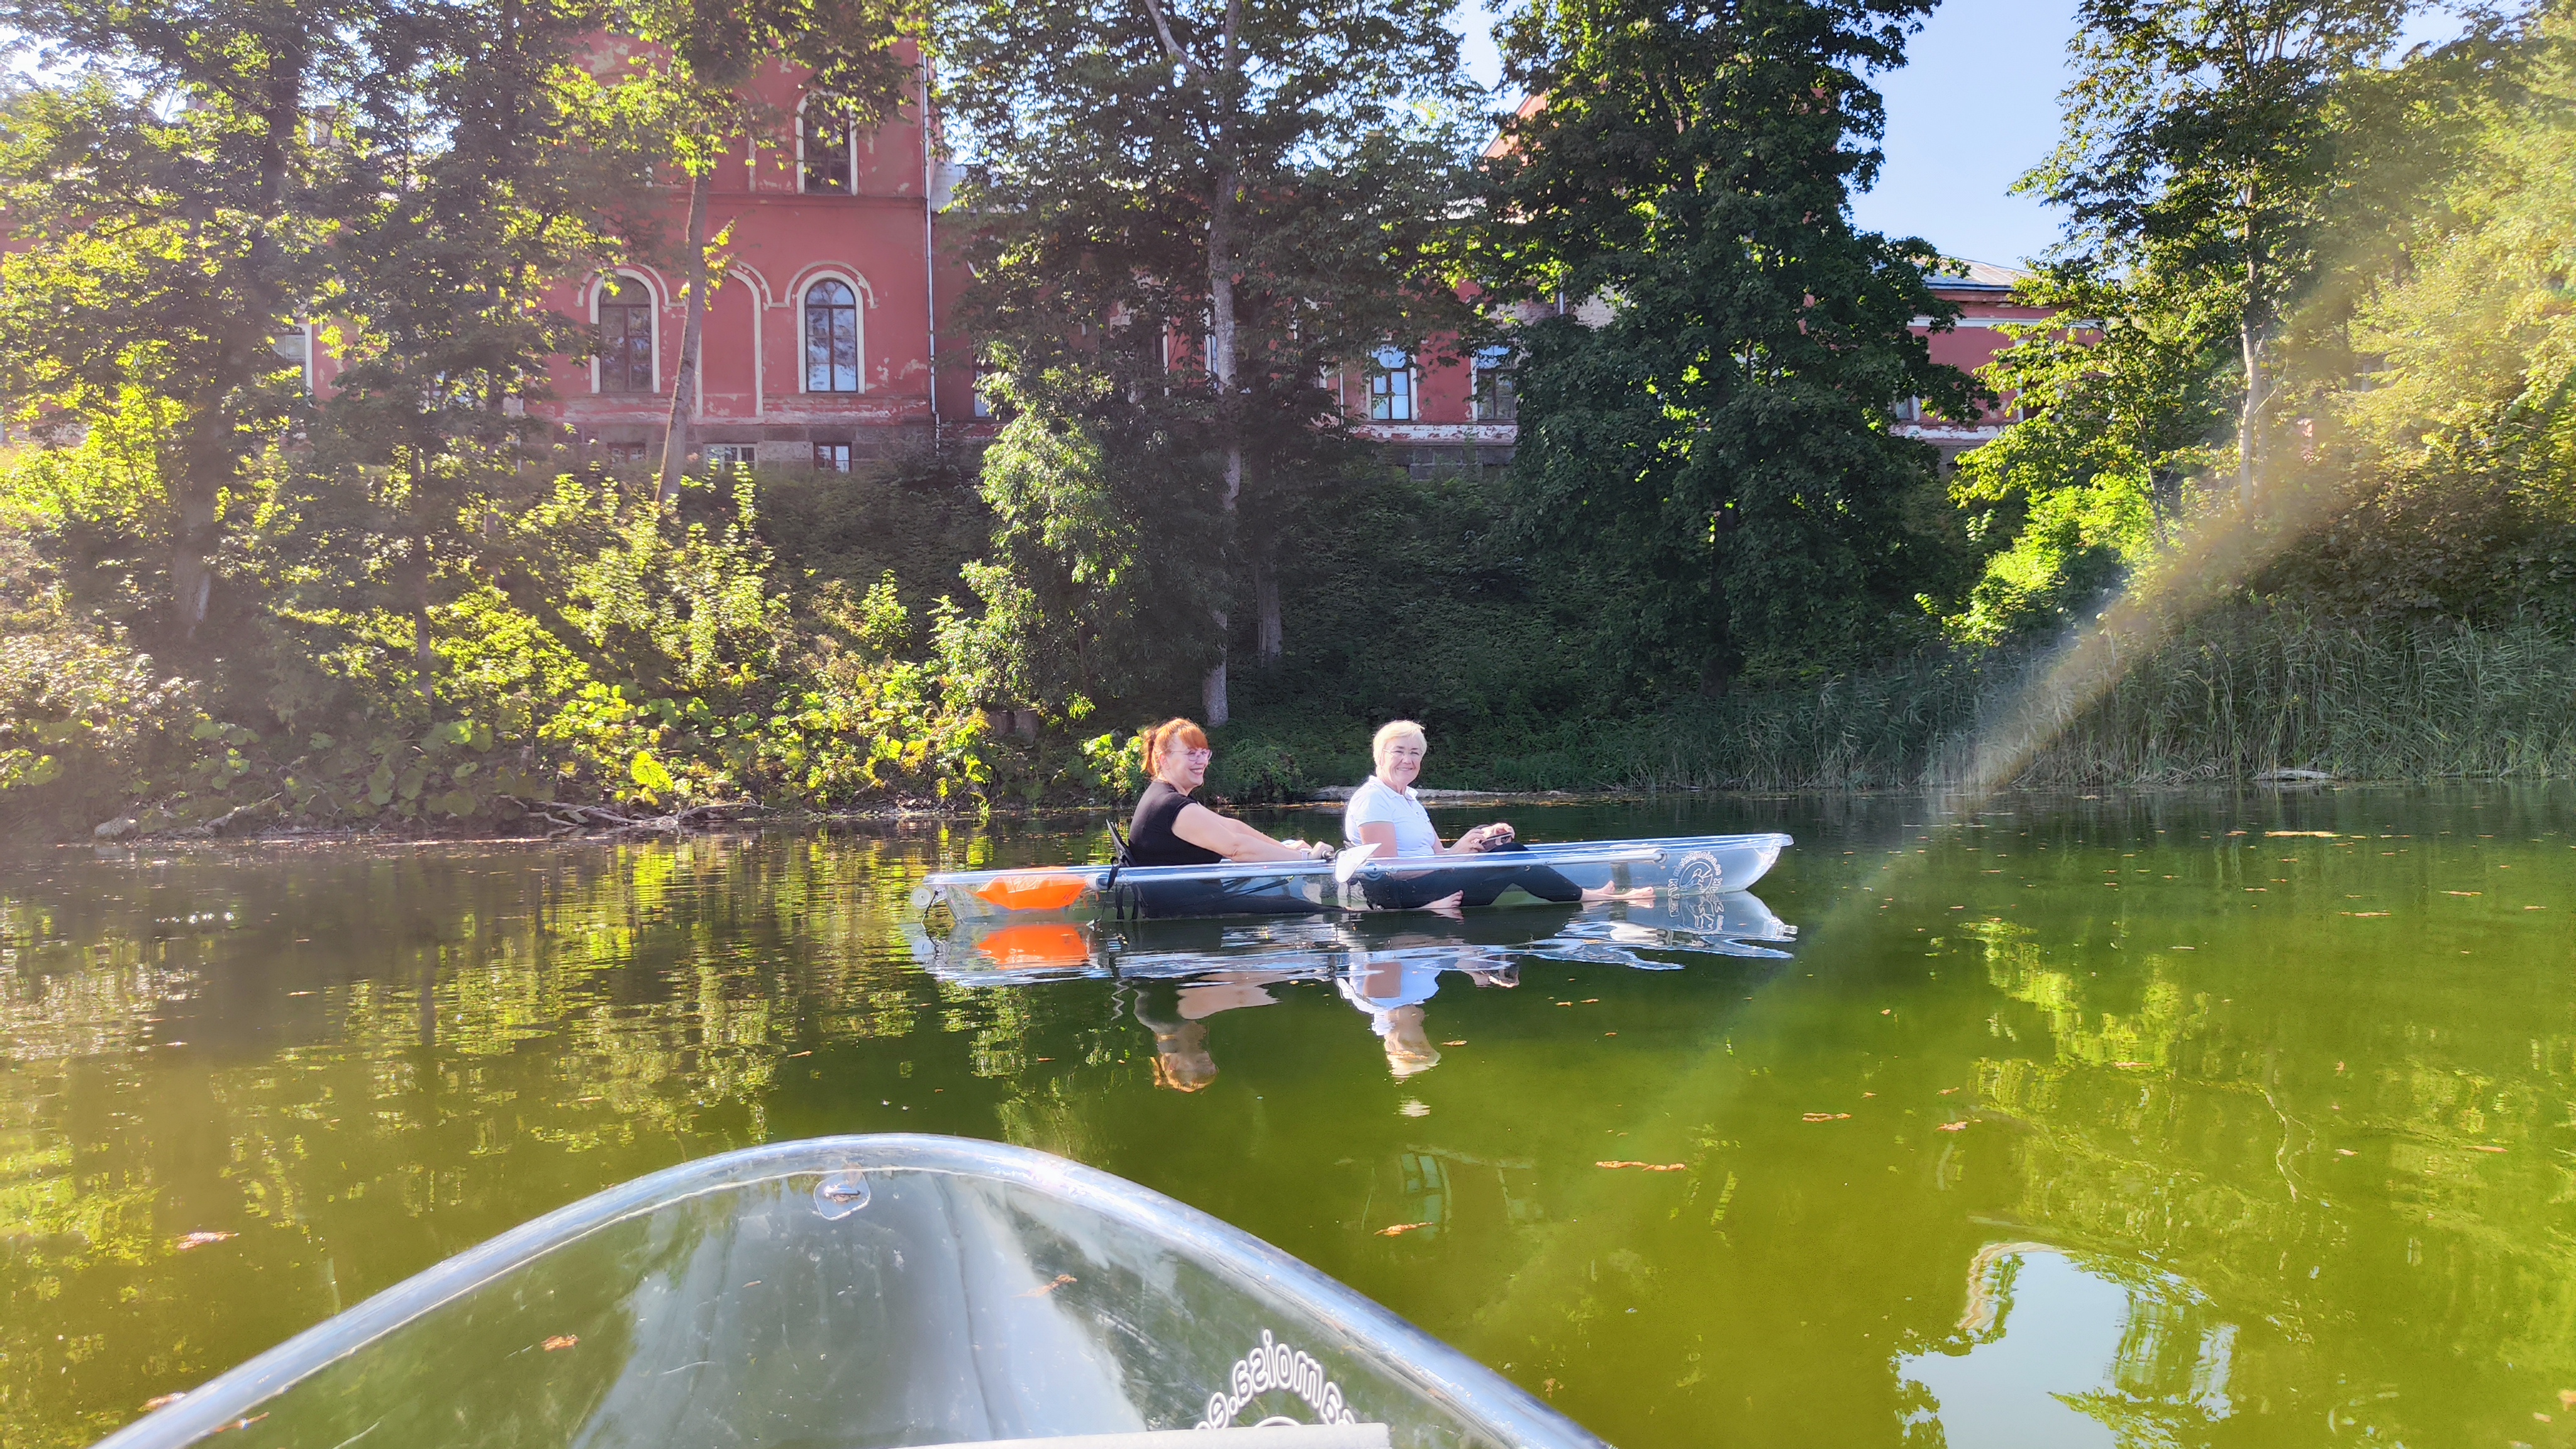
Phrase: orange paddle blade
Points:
(1036, 890)
(1051, 944)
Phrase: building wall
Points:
(783, 240)
(891, 250)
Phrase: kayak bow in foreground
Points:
(1682, 866)
(863, 1293)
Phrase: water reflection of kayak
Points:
(1673, 868)
(1007, 951)
(865, 1292)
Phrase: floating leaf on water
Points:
(2484, 1147)
(1950, 1127)
(1649, 1166)
(561, 1340)
(1043, 1289)
(163, 1401)
(1462, 1041)
(1824, 1116)
(1400, 1229)
(199, 1240)
(2131, 1066)
(2464, 893)
(2346, 1152)
(2365, 913)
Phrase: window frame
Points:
(1492, 365)
(854, 306)
(651, 307)
(1379, 370)
(805, 151)
(832, 458)
(302, 356)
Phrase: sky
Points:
(1974, 107)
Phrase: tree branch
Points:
(1163, 28)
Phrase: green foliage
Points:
(1409, 600)
(1714, 459)
(918, 518)
(164, 229)
(2446, 386)
(591, 648)
(2206, 146)
(81, 711)
(1105, 547)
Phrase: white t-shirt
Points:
(1380, 984)
(1374, 803)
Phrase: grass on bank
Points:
(2247, 689)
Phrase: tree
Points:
(2438, 356)
(160, 201)
(475, 173)
(1715, 455)
(2118, 416)
(690, 82)
(2198, 158)
(1212, 202)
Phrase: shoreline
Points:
(754, 819)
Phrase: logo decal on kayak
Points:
(1274, 1367)
(1697, 872)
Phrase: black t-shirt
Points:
(1150, 840)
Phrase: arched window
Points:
(831, 337)
(625, 336)
(1391, 386)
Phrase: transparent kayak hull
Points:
(864, 1293)
(1006, 951)
(1683, 866)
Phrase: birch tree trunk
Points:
(2249, 335)
(684, 381)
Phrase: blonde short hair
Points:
(1391, 731)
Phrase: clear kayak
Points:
(865, 1293)
(1679, 867)
(1003, 951)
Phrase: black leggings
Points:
(1187, 898)
(1477, 887)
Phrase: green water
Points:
(2125, 1121)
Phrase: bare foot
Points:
(1451, 906)
(1639, 896)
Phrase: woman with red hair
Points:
(1170, 828)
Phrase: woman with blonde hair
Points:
(1385, 811)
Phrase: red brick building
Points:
(827, 339)
(821, 341)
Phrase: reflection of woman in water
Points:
(1182, 1062)
(1392, 987)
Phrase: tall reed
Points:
(2242, 691)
